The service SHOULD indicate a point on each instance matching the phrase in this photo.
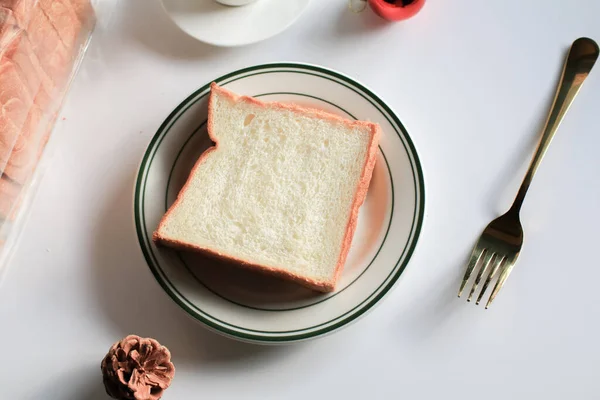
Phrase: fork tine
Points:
(487, 258)
(503, 275)
(499, 261)
(475, 256)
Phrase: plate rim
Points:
(247, 335)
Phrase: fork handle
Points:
(579, 63)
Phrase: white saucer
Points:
(219, 25)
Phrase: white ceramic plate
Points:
(219, 25)
(247, 305)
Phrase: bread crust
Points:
(359, 197)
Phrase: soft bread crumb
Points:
(280, 191)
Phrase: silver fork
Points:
(501, 241)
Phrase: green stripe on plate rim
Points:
(207, 287)
(351, 317)
(298, 330)
(323, 328)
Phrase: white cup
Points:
(236, 2)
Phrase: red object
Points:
(402, 9)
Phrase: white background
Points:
(470, 79)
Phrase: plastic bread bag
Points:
(42, 44)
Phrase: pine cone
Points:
(137, 369)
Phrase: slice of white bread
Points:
(279, 192)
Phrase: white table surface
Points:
(471, 80)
